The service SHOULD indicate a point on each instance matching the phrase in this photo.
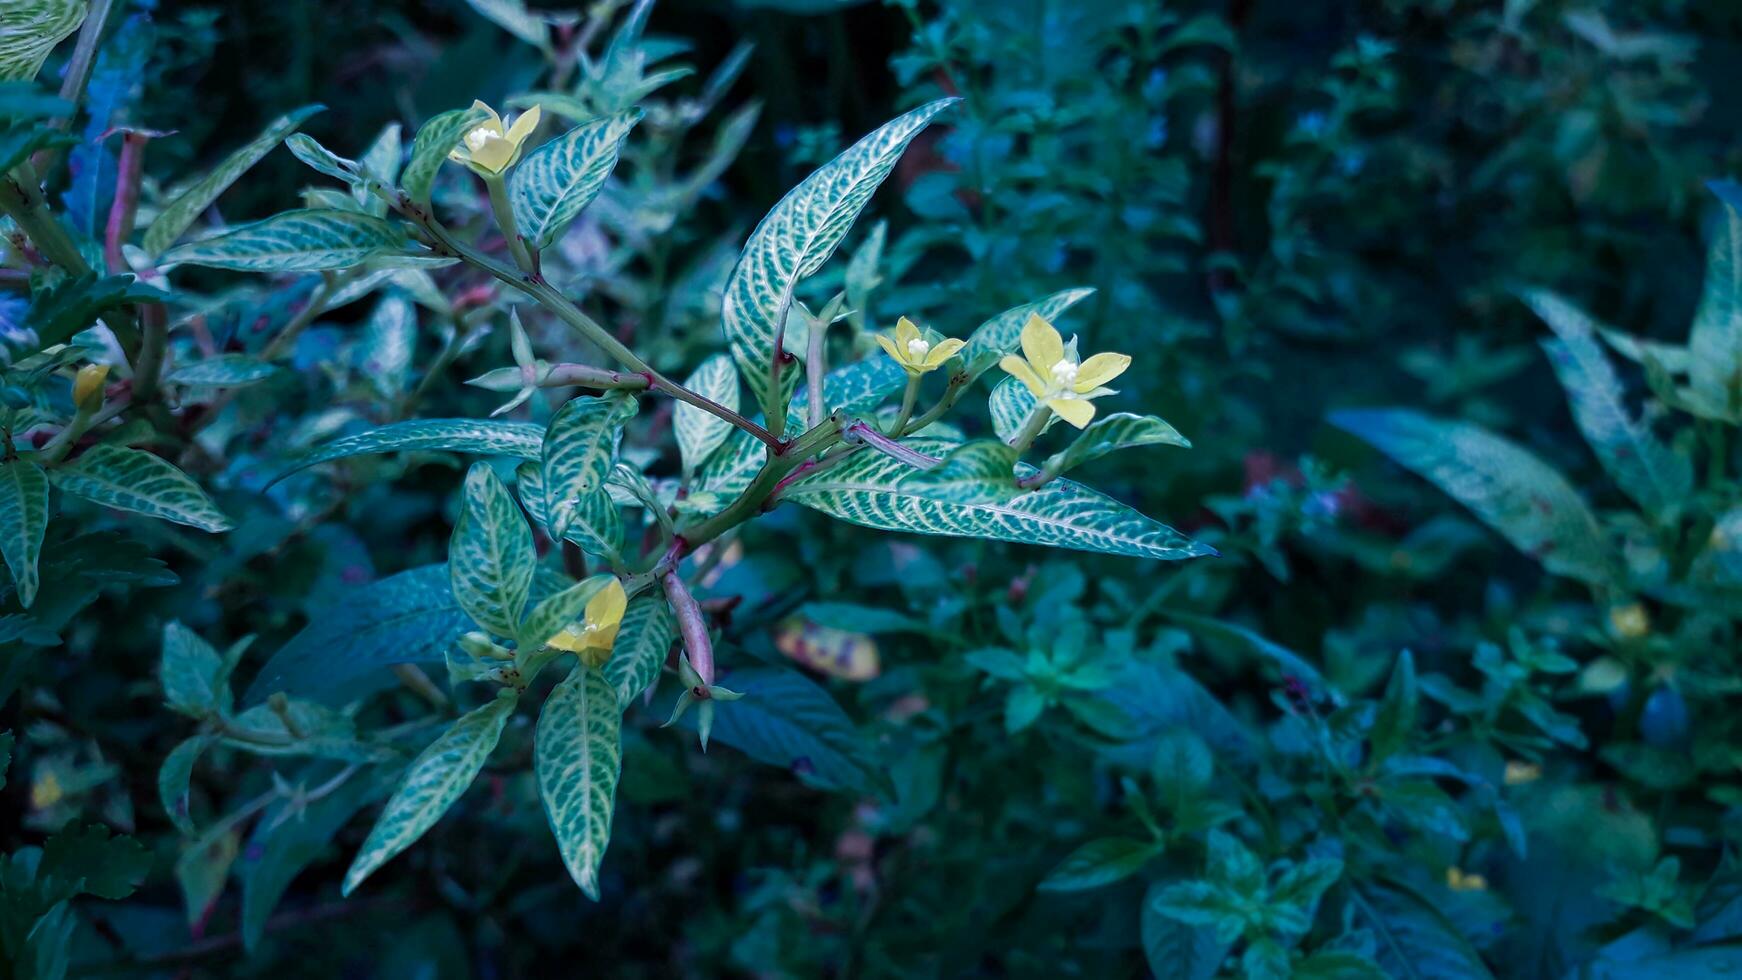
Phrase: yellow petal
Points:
(944, 350)
(495, 155)
(1019, 369)
(890, 348)
(523, 126)
(1041, 344)
(1100, 369)
(606, 608)
(494, 123)
(1076, 411)
(905, 332)
(571, 638)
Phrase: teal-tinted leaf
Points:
(785, 720)
(185, 209)
(579, 447)
(1100, 862)
(19, 142)
(204, 868)
(83, 859)
(389, 340)
(1110, 434)
(554, 182)
(481, 437)
(869, 490)
(1394, 724)
(29, 30)
(62, 310)
(643, 640)
(490, 557)
(1002, 334)
(857, 389)
(1715, 342)
(796, 238)
(1010, 405)
(23, 521)
(222, 371)
(307, 149)
(193, 673)
(381, 161)
(513, 17)
(431, 146)
(699, 433)
(1508, 487)
(595, 525)
(1414, 940)
(1182, 766)
(294, 241)
(432, 783)
(979, 472)
(286, 841)
(1174, 949)
(300, 728)
(1644, 468)
(577, 758)
(558, 610)
(173, 779)
(137, 481)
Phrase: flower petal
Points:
(944, 350)
(1019, 369)
(494, 155)
(606, 608)
(906, 332)
(1100, 369)
(494, 123)
(1077, 411)
(890, 348)
(570, 638)
(1041, 344)
(523, 126)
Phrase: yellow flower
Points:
(1630, 622)
(593, 638)
(1519, 772)
(88, 386)
(1458, 881)
(914, 353)
(491, 147)
(1053, 374)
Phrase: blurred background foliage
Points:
(1285, 210)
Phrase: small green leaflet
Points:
(490, 557)
(310, 240)
(23, 522)
(513, 17)
(1100, 862)
(1002, 334)
(173, 780)
(193, 674)
(185, 209)
(223, 371)
(548, 618)
(579, 447)
(1509, 488)
(797, 237)
(482, 437)
(578, 755)
(434, 139)
(699, 433)
(309, 150)
(1644, 468)
(434, 780)
(135, 480)
(1715, 342)
(643, 639)
(29, 30)
(554, 182)
(1110, 434)
(384, 352)
(870, 490)
(594, 523)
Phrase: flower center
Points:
(476, 139)
(917, 347)
(1065, 372)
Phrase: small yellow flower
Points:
(491, 147)
(1630, 622)
(1458, 881)
(88, 386)
(1053, 374)
(914, 353)
(46, 791)
(1519, 772)
(593, 638)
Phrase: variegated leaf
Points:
(643, 640)
(579, 447)
(870, 489)
(513, 17)
(431, 146)
(1010, 405)
(295, 241)
(1002, 334)
(432, 783)
(548, 618)
(309, 150)
(699, 433)
(29, 30)
(137, 481)
(794, 241)
(1505, 485)
(577, 757)
(389, 340)
(1644, 468)
(490, 557)
(382, 160)
(185, 209)
(983, 471)
(857, 389)
(222, 371)
(1110, 434)
(174, 778)
(192, 673)
(1715, 342)
(595, 526)
(23, 521)
(554, 182)
(482, 437)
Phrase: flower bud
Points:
(88, 387)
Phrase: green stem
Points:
(504, 211)
(909, 397)
(762, 486)
(1031, 429)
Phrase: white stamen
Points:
(1065, 372)
(476, 139)
(917, 347)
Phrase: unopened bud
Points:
(88, 387)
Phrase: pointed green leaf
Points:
(223, 371)
(1715, 342)
(294, 241)
(699, 433)
(595, 525)
(137, 481)
(173, 779)
(1099, 863)
(1002, 334)
(979, 472)
(192, 673)
(579, 447)
(785, 720)
(382, 159)
(432, 783)
(797, 237)
(309, 150)
(1395, 722)
(643, 640)
(870, 490)
(1112, 433)
(23, 521)
(554, 182)
(481, 437)
(548, 618)
(513, 17)
(29, 30)
(1506, 486)
(434, 140)
(185, 209)
(490, 557)
(578, 756)
(389, 340)
(1415, 941)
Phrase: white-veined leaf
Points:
(797, 237)
(23, 522)
(548, 618)
(186, 209)
(481, 437)
(137, 481)
(577, 757)
(1112, 433)
(222, 371)
(294, 241)
(555, 182)
(433, 781)
(513, 17)
(1010, 405)
(430, 147)
(389, 339)
(490, 557)
(579, 447)
(192, 673)
(29, 30)
(643, 640)
(595, 526)
(1715, 342)
(982, 471)
(699, 433)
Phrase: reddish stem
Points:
(692, 626)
